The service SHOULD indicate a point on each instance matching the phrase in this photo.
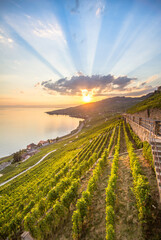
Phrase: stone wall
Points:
(152, 113)
(139, 130)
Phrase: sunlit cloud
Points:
(94, 85)
(151, 79)
(105, 47)
(79, 73)
(37, 85)
(49, 31)
(100, 9)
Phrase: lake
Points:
(22, 126)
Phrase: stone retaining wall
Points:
(142, 132)
(153, 113)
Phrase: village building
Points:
(31, 146)
(43, 143)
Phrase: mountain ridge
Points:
(108, 105)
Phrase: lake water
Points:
(22, 126)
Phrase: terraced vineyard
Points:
(97, 188)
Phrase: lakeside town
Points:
(32, 148)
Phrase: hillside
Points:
(93, 186)
(153, 101)
(109, 105)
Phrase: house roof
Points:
(32, 145)
(41, 142)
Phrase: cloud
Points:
(48, 31)
(139, 91)
(150, 80)
(99, 85)
(37, 85)
(5, 39)
(27, 16)
(10, 40)
(79, 73)
(100, 9)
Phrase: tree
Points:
(17, 157)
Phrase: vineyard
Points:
(100, 186)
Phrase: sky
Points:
(53, 52)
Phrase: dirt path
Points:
(127, 226)
(152, 229)
(130, 137)
(123, 147)
(96, 225)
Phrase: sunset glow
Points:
(87, 99)
(87, 96)
(94, 45)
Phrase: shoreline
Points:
(3, 158)
(76, 131)
(64, 137)
(70, 115)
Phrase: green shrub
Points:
(137, 140)
(147, 153)
(110, 233)
(141, 187)
(109, 215)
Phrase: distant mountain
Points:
(109, 105)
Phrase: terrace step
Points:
(156, 156)
(156, 151)
(158, 170)
(156, 159)
(156, 146)
(158, 164)
(159, 177)
(157, 140)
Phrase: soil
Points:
(95, 227)
(130, 137)
(114, 143)
(123, 147)
(127, 226)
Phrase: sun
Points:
(87, 96)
